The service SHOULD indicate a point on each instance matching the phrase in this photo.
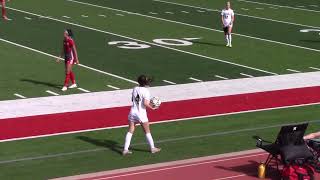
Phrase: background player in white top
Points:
(227, 18)
(138, 114)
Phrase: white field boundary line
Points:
(314, 68)
(293, 70)
(289, 7)
(144, 143)
(195, 79)
(83, 90)
(169, 82)
(20, 96)
(126, 37)
(247, 75)
(221, 77)
(201, 27)
(161, 122)
(113, 87)
(52, 93)
(53, 56)
(245, 15)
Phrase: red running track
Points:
(103, 118)
(239, 167)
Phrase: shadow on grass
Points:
(311, 41)
(110, 144)
(36, 82)
(208, 43)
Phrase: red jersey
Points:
(68, 45)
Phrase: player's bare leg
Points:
(127, 142)
(146, 129)
(4, 14)
(229, 36)
(68, 69)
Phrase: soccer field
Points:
(175, 42)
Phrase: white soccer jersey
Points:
(138, 109)
(227, 15)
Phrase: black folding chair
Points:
(290, 135)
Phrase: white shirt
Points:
(227, 15)
(139, 94)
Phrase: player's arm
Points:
(148, 104)
(222, 19)
(232, 18)
(312, 135)
(60, 56)
(74, 49)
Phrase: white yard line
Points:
(185, 12)
(289, 7)
(27, 18)
(52, 93)
(245, 15)
(221, 77)
(85, 16)
(245, 9)
(211, 29)
(247, 75)
(53, 56)
(178, 50)
(169, 82)
(20, 96)
(113, 87)
(83, 90)
(314, 68)
(260, 8)
(201, 11)
(192, 38)
(152, 13)
(66, 17)
(167, 12)
(102, 15)
(293, 70)
(195, 79)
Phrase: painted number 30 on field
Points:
(138, 45)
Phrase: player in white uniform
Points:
(227, 18)
(138, 114)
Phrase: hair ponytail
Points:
(70, 33)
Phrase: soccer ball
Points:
(155, 102)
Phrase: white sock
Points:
(127, 141)
(230, 39)
(227, 38)
(150, 140)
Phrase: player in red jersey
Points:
(4, 14)
(71, 57)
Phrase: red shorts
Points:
(69, 59)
